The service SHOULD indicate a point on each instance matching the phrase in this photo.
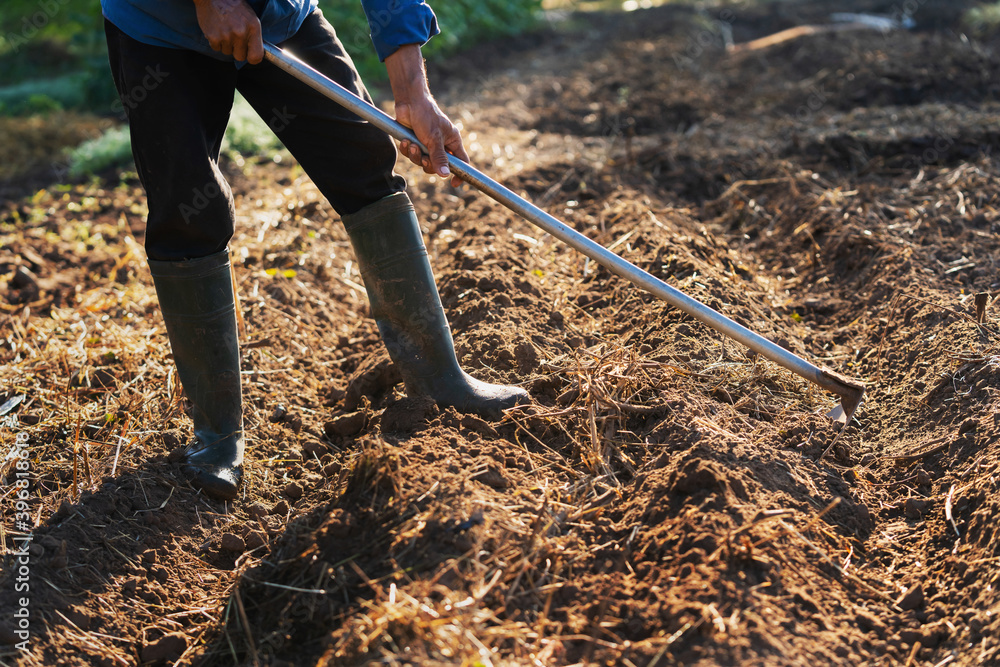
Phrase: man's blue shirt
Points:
(174, 23)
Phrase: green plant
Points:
(38, 104)
(65, 90)
(983, 20)
(111, 149)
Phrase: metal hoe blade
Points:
(850, 391)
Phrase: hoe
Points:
(850, 391)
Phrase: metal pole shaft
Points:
(849, 391)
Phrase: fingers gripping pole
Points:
(850, 391)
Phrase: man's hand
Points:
(231, 28)
(417, 110)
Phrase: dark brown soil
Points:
(670, 497)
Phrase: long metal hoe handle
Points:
(849, 391)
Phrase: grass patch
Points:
(111, 149)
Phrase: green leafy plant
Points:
(111, 149)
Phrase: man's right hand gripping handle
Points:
(232, 28)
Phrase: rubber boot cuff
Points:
(391, 205)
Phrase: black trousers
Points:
(178, 102)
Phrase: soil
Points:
(669, 497)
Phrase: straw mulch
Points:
(669, 497)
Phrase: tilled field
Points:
(669, 497)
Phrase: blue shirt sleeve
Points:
(394, 23)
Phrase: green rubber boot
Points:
(196, 297)
(407, 308)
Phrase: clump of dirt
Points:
(669, 496)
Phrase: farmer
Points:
(176, 65)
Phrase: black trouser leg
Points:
(177, 103)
